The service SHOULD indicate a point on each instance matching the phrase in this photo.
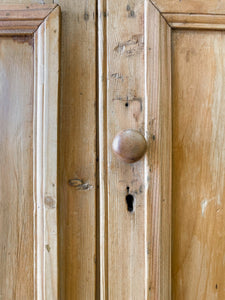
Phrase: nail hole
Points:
(130, 202)
(126, 104)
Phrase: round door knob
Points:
(129, 145)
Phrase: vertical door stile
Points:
(134, 90)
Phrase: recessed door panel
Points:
(198, 188)
(16, 168)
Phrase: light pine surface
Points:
(190, 6)
(16, 169)
(77, 152)
(125, 235)
(134, 88)
(198, 236)
(105, 252)
(158, 115)
(28, 174)
(45, 148)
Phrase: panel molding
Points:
(21, 19)
(46, 76)
(191, 6)
(195, 21)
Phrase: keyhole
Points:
(130, 201)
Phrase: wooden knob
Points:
(129, 145)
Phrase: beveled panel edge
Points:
(23, 19)
(195, 21)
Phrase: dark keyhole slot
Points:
(130, 202)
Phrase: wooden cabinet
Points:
(93, 226)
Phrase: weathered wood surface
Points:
(22, 19)
(77, 151)
(45, 148)
(198, 165)
(77, 141)
(105, 251)
(16, 170)
(124, 106)
(135, 90)
(158, 101)
(28, 171)
(190, 6)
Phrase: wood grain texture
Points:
(190, 6)
(102, 151)
(25, 12)
(22, 19)
(158, 116)
(46, 75)
(14, 2)
(123, 236)
(135, 58)
(29, 111)
(77, 153)
(195, 21)
(198, 165)
(194, 18)
(197, 26)
(16, 169)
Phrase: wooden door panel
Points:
(198, 164)
(29, 65)
(16, 168)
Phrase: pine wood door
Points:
(162, 72)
